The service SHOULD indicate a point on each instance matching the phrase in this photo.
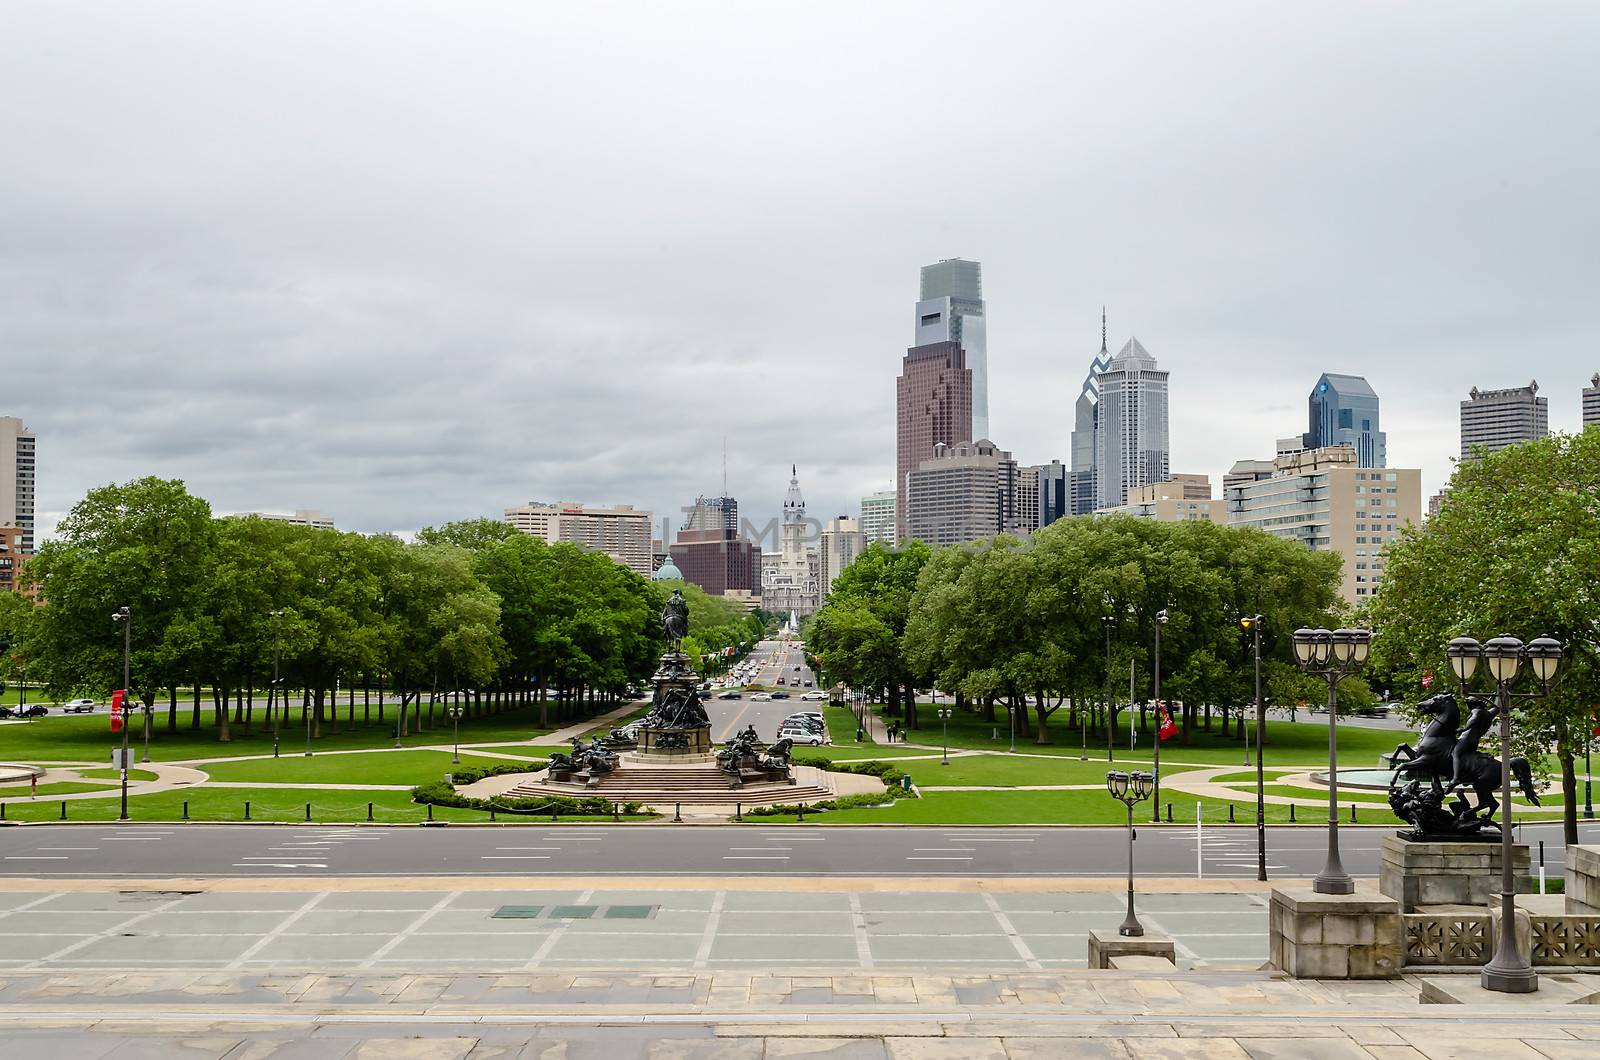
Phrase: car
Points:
(729, 695)
(814, 715)
(797, 669)
(780, 680)
(815, 694)
(5, 712)
(761, 697)
(78, 706)
(807, 682)
(801, 736)
(32, 710)
(780, 695)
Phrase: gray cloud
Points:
(410, 263)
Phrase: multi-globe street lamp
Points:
(944, 716)
(1332, 655)
(1130, 788)
(1155, 771)
(1509, 971)
(1252, 625)
(455, 717)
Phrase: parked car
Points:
(813, 715)
(780, 695)
(801, 736)
(78, 706)
(32, 710)
(761, 697)
(5, 712)
(807, 682)
(814, 694)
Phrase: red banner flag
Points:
(1168, 728)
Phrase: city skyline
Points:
(283, 316)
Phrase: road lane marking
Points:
(411, 929)
(909, 858)
(279, 865)
(527, 848)
(702, 953)
(758, 848)
(754, 857)
(37, 857)
(283, 925)
(940, 850)
(513, 857)
(69, 848)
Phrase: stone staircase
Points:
(696, 784)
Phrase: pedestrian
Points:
(33, 785)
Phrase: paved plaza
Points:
(655, 929)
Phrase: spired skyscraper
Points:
(951, 310)
(1344, 411)
(1131, 448)
(1085, 422)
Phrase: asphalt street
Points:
(754, 849)
(774, 659)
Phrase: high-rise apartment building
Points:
(712, 513)
(716, 559)
(1180, 499)
(877, 517)
(621, 532)
(791, 583)
(1244, 471)
(933, 406)
(310, 517)
(842, 540)
(1325, 500)
(1495, 419)
(1025, 513)
(951, 310)
(1055, 492)
(1344, 411)
(965, 492)
(1131, 448)
(12, 556)
(1591, 402)
(1085, 424)
(17, 455)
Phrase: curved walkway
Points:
(168, 778)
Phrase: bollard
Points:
(63, 809)
(738, 811)
(247, 809)
(430, 813)
(1352, 813)
(800, 812)
(369, 811)
(185, 809)
(308, 811)
(1169, 813)
(2, 811)
(677, 811)
(1291, 813)
(614, 816)
(1230, 813)
(491, 811)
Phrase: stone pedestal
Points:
(1428, 873)
(1105, 944)
(650, 739)
(1583, 879)
(1335, 936)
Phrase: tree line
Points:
(1056, 621)
(475, 612)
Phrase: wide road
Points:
(197, 850)
(772, 659)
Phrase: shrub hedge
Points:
(439, 793)
(473, 774)
(888, 773)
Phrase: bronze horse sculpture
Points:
(1448, 756)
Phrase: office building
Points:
(933, 406)
(1086, 423)
(1055, 492)
(1327, 501)
(1247, 471)
(965, 492)
(842, 540)
(1344, 411)
(621, 532)
(1591, 402)
(877, 517)
(712, 513)
(1179, 499)
(17, 455)
(951, 310)
(1495, 419)
(12, 556)
(1131, 447)
(310, 517)
(716, 558)
(790, 584)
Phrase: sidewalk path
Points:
(566, 735)
(168, 777)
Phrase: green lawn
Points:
(1014, 771)
(389, 807)
(376, 767)
(88, 738)
(111, 774)
(65, 787)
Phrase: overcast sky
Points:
(412, 263)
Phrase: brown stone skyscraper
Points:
(933, 406)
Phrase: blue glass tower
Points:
(1344, 411)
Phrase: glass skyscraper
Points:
(1131, 447)
(1344, 411)
(951, 310)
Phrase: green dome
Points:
(667, 572)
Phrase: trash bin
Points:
(861, 734)
(905, 783)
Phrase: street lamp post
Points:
(1253, 626)
(274, 696)
(1130, 788)
(125, 616)
(1155, 772)
(1332, 655)
(1509, 971)
(455, 717)
(944, 716)
(1106, 620)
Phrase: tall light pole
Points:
(1332, 655)
(1155, 772)
(1252, 625)
(125, 616)
(944, 716)
(455, 716)
(1129, 788)
(273, 696)
(1106, 620)
(1509, 970)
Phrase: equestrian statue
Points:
(1446, 764)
